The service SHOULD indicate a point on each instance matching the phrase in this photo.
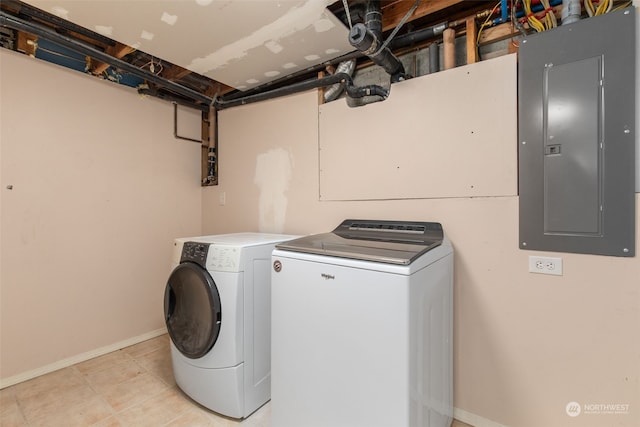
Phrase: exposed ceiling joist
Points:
(118, 51)
(426, 13)
(393, 12)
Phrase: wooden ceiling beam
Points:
(218, 89)
(175, 73)
(394, 11)
(26, 43)
(118, 51)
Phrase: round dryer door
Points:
(192, 310)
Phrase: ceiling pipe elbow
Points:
(367, 38)
(363, 39)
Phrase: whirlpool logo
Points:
(277, 266)
(327, 276)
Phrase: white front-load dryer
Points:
(217, 308)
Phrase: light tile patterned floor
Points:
(132, 387)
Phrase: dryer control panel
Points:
(211, 256)
(195, 252)
(224, 258)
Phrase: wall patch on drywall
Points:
(322, 25)
(169, 18)
(273, 175)
(60, 12)
(147, 35)
(274, 46)
(105, 30)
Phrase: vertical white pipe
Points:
(570, 11)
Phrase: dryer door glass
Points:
(192, 310)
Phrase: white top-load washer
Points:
(218, 315)
(362, 327)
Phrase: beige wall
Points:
(100, 189)
(525, 344)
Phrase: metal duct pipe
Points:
(418, 36)
(41, 31)
(335, 90)
(352, 90)
(143, 90)
(434, 58)
(397, 43)
(365, 100)
(175, 127)
(367, 38)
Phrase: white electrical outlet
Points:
(545, 265)
(222, 198)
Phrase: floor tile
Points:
(109, 376)
(260, 418)
(133, 391)
(132, 387)
(111, 421)
(7, 396)
(103, 362)
(50, 402)
(66, 377)
(161, 342)
(80, 414)
(11, 416)
(158, 362)
(157, 410)
(196, 418)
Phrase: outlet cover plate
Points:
(545, 265)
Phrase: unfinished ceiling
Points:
(242, 44)
(220, 53)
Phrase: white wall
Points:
(100, 189)
(525, 344)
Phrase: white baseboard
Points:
(473, 419)
(6, 382)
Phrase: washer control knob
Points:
(277, 266)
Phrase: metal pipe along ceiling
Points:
(44, 32)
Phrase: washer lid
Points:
(393, 242)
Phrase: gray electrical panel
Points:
(576, 102)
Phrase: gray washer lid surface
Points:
(392, 242)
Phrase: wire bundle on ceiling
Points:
(539, 15)
(487, 22)
(542, 22)
(603, 7)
